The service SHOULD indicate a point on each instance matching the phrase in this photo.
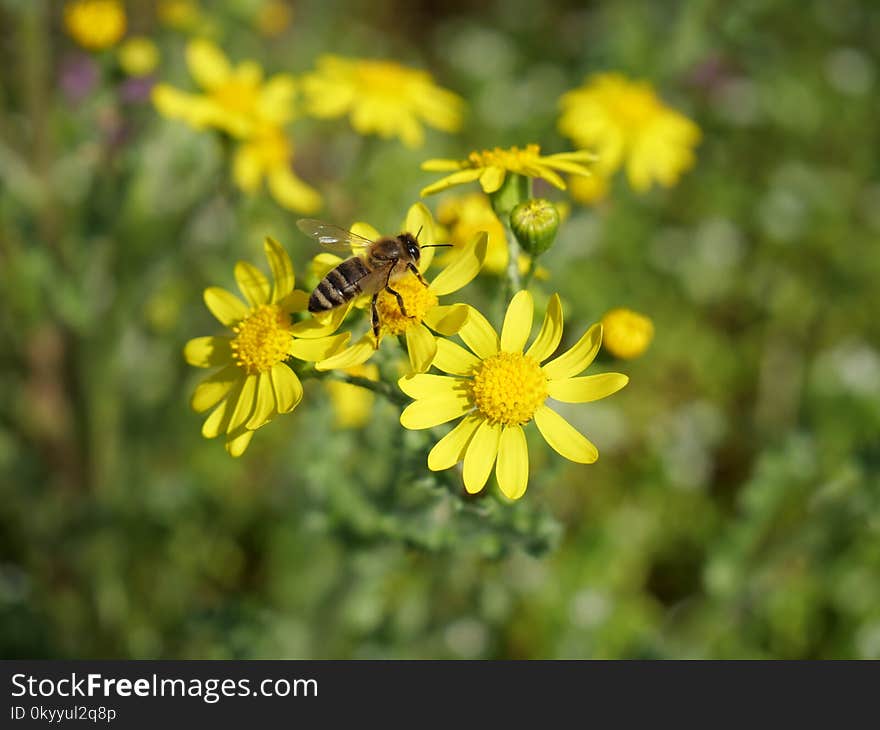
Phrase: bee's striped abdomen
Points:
(339, 286)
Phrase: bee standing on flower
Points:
(382, 262)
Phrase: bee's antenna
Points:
(437, 245)
(418, 232)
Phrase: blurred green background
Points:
(735, 510)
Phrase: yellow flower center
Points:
(632, 105)
(508, 388)
(382, 78)
(262, 339)
(237, 95)
(417, 299)
(512, 159)
(626, 334)
(95, 24)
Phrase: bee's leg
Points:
(412, 267)
(399, 300)
(374, 314)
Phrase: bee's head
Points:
(411, 245)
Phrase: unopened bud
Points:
(534, 223)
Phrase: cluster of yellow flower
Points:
(492, 382)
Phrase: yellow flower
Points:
(179, 14)
(268, 154)
(627, 333)
(465, 216)
(138, 56)
(589, 190)
(254, 383)
(352, 404)
(424, 311)
(496, 389)
(274, 17)
(626, 124)
(381, 97)
(236, 100)
(95, 24)
(490, 167)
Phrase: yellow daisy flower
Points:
(138, 56)
(381, 97)
(237, 100)
(95, 24)
(627, 125)
(627, 333)
(269, 154)
(496, 389)
(352, 404)
(490, 167)
(254, 383)
(425, 313)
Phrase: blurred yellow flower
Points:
(236, 100)
(254, 383)
(627, 125)
(589, 190)
(490, 167)
(138, 56)
(179, 14)
(381, 97)
(353, 404)
(274, 17)
(424, 311)
(269, 154)
(627, 333)
(465, 216)
(496, 389)
(95, 24)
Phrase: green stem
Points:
(530, 272)
(386, 390)
(513, 280)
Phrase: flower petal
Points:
(564, 438)
(433, 411)
(479, 335)
(318, 348)
(589, 388)
(214, 388)
(296, 301)
(548, 338)
(253, 285)
(421, 346)
(439, 165)
(512, 468)
(291, 192)
(453, 359)
(356, 354)
(446, 319)
(215, 424)
(237, 445)
(282, 269)
(517, 322)
(322, 323)
(578, 358)
(449, 450)
(463, 267)
(423, 385)
(244, 406)
(288, 389)
(365, 230)
(208, 352)
(419, 218)
(480, 456)
(207, 64)
(264, 406)
(456, 178)
(225, 306)
(492, 178)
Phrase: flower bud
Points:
(534, 223)
(626, 334)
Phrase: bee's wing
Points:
(331, 236)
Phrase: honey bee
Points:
(376, 266)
